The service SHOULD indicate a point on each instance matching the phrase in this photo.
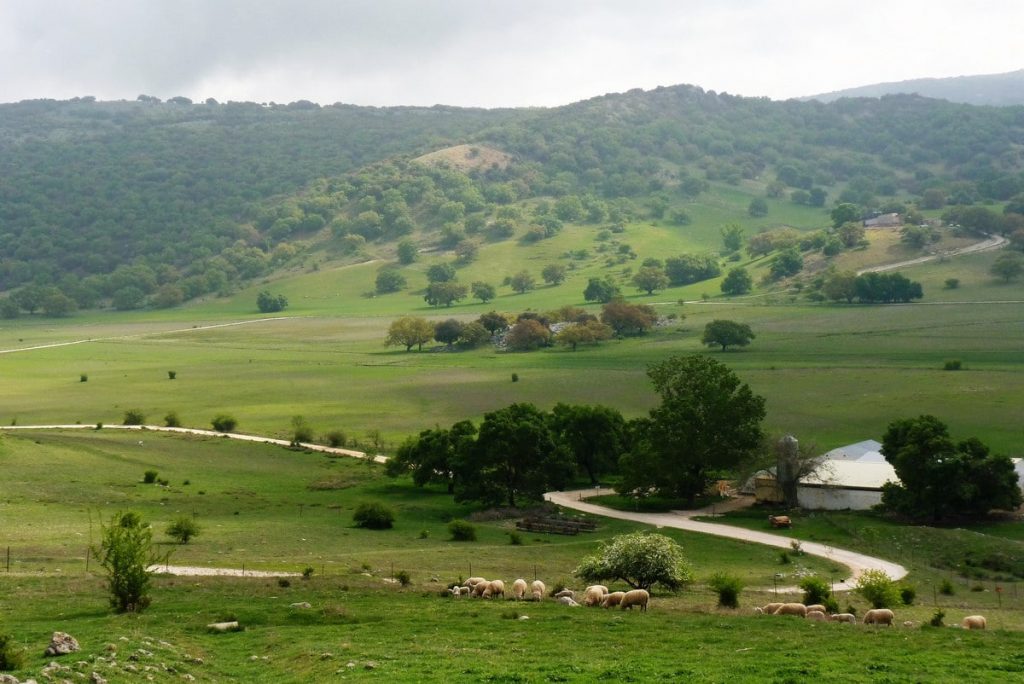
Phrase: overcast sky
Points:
(489, 53)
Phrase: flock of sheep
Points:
(594, 596)
(876, 616)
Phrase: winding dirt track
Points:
(986, 245)
(683, 520)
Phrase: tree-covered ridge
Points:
(134, 203)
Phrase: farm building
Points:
(884, 221)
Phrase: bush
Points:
(831, 605)
(515, 377)
(952, 365)
(301, 431)
(403, 577)
(952, 283)
(183, 529)
(515, 539)
(284, 582)
(171, 375)
(784, 558)
(125, 552)
(11, 657)
(640, 559)
(307, 572)
(134, 417)
(374, 516)
(728, 588)
(224, 422)
(462, 530)
(946, 588)
(149, 477)
(424, 534)
(84, 377)
(878, 589)
(335, 438)
(907, 595)
(172, 420)
(816, 590)
(937, 617)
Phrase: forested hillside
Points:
(984, 89)
(149, 203)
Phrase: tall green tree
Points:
(126, 553)
(737, 282)
(723, 333)
(595, 435)
(515, 457)
(430, 456)
(708, 422)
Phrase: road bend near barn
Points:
(683, 520)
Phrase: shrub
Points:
(374, 516)
(335, 438)
(134, 417)
(183, 529)
(515, 539)
(815, 589)
(403, 578)
(11, 657)
(878, 589)
(952, 283)
(284, 582)
(149, 477)
(462, 530)
(515, 377)
(946, 588)
(784, 558)
(728, 588)
(301, 431)
(640, 559)
(99, 426)
(172, 420)
(831, 605)
(84, 377)
(171, 375)
(908, 594)
(978, 587)
(952, 365)
(424, 534)
(224, 422)
(125, 552)
(307, 572)
(937, 617)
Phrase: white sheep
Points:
(519, 589)
(816, 615)
(566, 592)
(818, 607)
(494, 588)
(770, 608)
(567, 601)
(594, 595)
(844, 617)
(879, 616)
(538, 590)
(973, 622)
(473, 581)
(797, 609)
(613, 599)
(636, 597)
(480, 587)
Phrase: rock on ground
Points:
(61, 644)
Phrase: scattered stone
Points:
(435, 579)
(301, 605)
(8, 679)
(524, 617)
(166, 644)
(61, 644)
(97, 678)
(124, 638)
(326, 656)
(224, 626)
(369, 665)
(390, 580)
(188, 678)
(128, 667)
(110, 648)
(350, 664)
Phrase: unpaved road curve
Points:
(986, 245)
(683, 520)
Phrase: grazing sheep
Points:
(494, 588)
(566, 592)
(758, 610)
(797, 609)
(636, 597)
(538, 590)
(479, 588)
(816, 615)
(594, 595)
(844, 617)
(909, 623)
(519, 589)
(567, 601)
(770, 608)
(473, 581)
(879, 616)
(818, 607)
(973, 622)
(613, 599)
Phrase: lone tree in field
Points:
(720, 333)
(1007, 266)
(268, 303)
(737, 282)
(125, 553)
(940, 478)
(708, 421)
(410, 331)
(650, 278)
(641, 560)
(183, 529)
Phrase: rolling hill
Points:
(998, 90)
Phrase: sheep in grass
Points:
(473, 581)
(479, 588)
(817, 616)
(613, 599)
(594, 595)
(973, 622)
(537, 589)
(798, 609)
(568, 601)
(844, 617)
(566, 592)
(636, 597)
(818, 607)
(879, 616)
(519, 589)
(768, 609)
(494, 588)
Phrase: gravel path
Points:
(990, 243)
(683, 520)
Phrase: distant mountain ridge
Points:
(999, 90)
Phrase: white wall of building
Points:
(837, 499)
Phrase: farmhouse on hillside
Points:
(884, 221)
